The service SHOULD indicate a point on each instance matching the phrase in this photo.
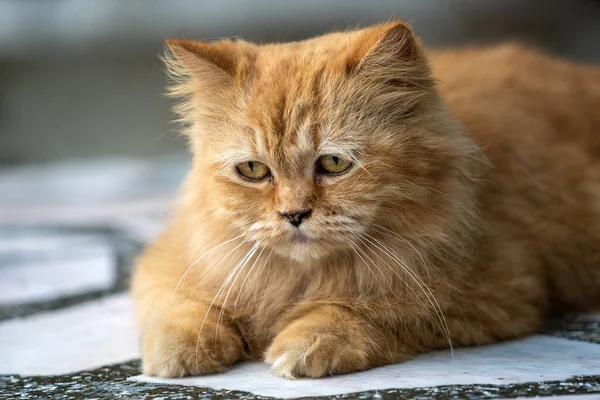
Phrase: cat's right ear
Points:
(203, 78)
(205, 61)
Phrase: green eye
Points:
(330, 164)
(253, 170)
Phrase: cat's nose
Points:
(296, 217)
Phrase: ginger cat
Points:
(353, 202)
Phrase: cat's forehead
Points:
(291, 95)
(285, 98)
(285, 130)
(292, 107)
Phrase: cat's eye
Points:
(253, 170)
(333, 165)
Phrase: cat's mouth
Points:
(300, 238)
(301, 246)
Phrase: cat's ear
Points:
(212, 60)
(390, 58)
(203, 77)
(384, 45)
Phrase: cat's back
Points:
(510, 90)
(537, 120)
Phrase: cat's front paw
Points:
(317, 351)
(177, 351)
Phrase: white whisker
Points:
(396, 235)
(241, 267)
(246, 278)
(217, 295)
(196, 261)
(437, 308)
(355, 247)
(215, 266)
(363, 239)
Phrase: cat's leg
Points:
(178, 344)
(181, 333)
(330, 340)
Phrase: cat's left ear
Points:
(385, 45)
(390, 59)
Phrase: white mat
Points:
(537, 358)
(74, 339)
(43, 267)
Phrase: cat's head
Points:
(312, 146)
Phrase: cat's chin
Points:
(302, 249)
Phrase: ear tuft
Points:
(399, 41)
(195, 55)
(382, 44)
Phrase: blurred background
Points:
(81, 78)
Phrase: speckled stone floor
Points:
(111, 383)
(66, 330)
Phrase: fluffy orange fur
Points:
(470, 213)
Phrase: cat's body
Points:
(427, 240)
